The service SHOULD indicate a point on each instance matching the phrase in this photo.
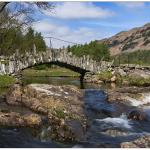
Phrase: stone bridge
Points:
(18, 62)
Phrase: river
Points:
(108, 123)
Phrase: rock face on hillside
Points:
(61, 105)
(129, 41)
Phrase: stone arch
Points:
(64, 65)
(61, 64)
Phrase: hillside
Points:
(129, 41)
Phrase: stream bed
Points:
(108, 125)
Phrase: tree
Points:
(39, 42)
(94, 49)
(14, 16)
(20, 14)
(101, 51)
(40, 5)
(29, 40)
(15, 39)
(2, 6)
(11, 41)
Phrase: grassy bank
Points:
(54, 72)
(136, 81)
(6, 81)
(106, 76)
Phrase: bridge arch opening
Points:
(63, 65)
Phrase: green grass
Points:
(6, 81)
(60, 113)
(54, 72)
(132, 81)
(105, 76)
(137, 81)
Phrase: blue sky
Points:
(82, 22)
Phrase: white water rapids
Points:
(121, 121)
(141, 101)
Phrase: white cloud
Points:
(50, 28)
(78, 35)
(118, 25)
(79, 10)
(132, 5)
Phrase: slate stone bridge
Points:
(19, 62)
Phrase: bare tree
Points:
(3, 5)
(20, 13)
(40, 5)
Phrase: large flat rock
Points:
(61, 104)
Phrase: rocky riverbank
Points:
(138, 97)
(61, 106)
(58, 113)
(13, 119)
(124, 77)
(124, 94)
(143, 142)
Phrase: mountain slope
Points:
(129, 41)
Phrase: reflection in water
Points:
(64, 81)
(22, 138)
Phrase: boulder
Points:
(100, 82)
(32, 120)
(14, 95)
(126, 94)
(139, 74)
(116, 97)
(113, 79)
(92, 78)
(137, 115)
(115, 132)
(113, 85)
(133, 89)
(61, 105)
(62, 130)
(121, 72)
(13, 119)
(143, 142)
